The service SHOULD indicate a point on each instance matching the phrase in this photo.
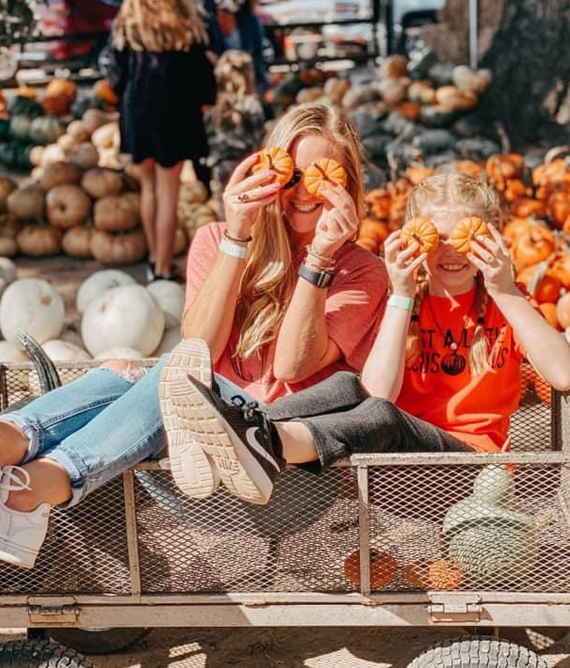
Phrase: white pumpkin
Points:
(63, 351)
(100, 282)
(34, 306)
(127, 316)
(119, 353)
(171, 337)
(11, 353)
(71, 335)
(170, 296)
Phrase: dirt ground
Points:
(251, 647)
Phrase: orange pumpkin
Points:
(59, 95)
(514, 228)
(554, 172)
(559, 207)
(443, 574)
(383, 569)
(422, 231)
(561, 269)
(378, 202)
(276, 159)
(368, 244)
(527, 207)
(26, 91)
(465, 231)
(503, 167)
(321, 172)
(532, 246)
(416, 574)
(548, 310)
(103, 91)
(515, 189)
(469, 168)
(374, 229)
(417, 174)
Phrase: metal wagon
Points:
(479, 541)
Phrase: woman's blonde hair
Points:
(466, 197)
(159, 25)
(270, 274)
(235, 79)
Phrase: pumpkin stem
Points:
(323, 173)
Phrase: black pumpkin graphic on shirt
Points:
(453, 364)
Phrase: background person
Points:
(160, 71)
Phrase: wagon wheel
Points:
(484, 652)
(98, 641)
(40, 654)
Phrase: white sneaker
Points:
(21, 533)
(192, 469)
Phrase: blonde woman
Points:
(280, 294)
(443, 374)
(162, 76)
(271, 333)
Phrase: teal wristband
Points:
(232, 249)
(406, 303)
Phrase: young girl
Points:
(235, 125)
(442, 375)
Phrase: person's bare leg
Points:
(298, 445)
(49, 483)
(148, 204)
(167, 188)
(14, 444)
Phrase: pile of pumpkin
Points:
(118, 318)
(26, 122)
(536, 207)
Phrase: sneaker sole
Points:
(192, 470)
(239, 470)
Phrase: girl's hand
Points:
(492, 258)
(244, 196)
(401, 264)
(338, 222)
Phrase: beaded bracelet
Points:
(329, 261)
(237, 239)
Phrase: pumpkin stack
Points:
(194, 208)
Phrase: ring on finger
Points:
(244, 197)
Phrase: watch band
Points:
(322, 279)
(234, 250)
(406, 303)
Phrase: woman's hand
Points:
(244, 196)
(492, 258)
(401, 264)
(338, 222)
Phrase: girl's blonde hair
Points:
(159, 25)
(466, 197)
(235, 78)
(270, 274)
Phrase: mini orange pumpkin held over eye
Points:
(465, 231)
(321, 172)
(276, 159)
(423, 231)
(383, 569)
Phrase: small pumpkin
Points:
(76, 242)
(126, 248)
(465, 231)
(67, 205)
(561, 269)
(423, 232)
(52, 153)
(39, 240)
(416, 574)
(444, 574)
(36, 155)
(78, 131)
(29, 92)
(383, 569)
(94, 118)
(323, 172)
(26, 203)
(100, 182)
(45, 130)
(532, 246)
(277, 160)
(7, 186)
(559, 207)
(515, 189)
(502, 167)
(117, 213)
(526, 207)
(548, 310)
(59, 95)
(84, 155)
(106, 136)
(59, 173)
(103, 91)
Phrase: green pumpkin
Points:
(4, 128)
(20, 127)
(45, 130)
(80, 106)
(24, 106)
(16, 155)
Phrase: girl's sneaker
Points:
(237, 436)
(193, 471)
(21, 533)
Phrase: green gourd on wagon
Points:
(487, 534)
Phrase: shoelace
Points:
(252, 413)
(14, 483)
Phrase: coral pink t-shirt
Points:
(355, 303)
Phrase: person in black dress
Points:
(160, 71)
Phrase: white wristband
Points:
(232, 249)
(406, 303)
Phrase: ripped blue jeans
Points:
(99, 425)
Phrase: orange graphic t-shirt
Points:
(438, 386)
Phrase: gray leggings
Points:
(344, 420)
